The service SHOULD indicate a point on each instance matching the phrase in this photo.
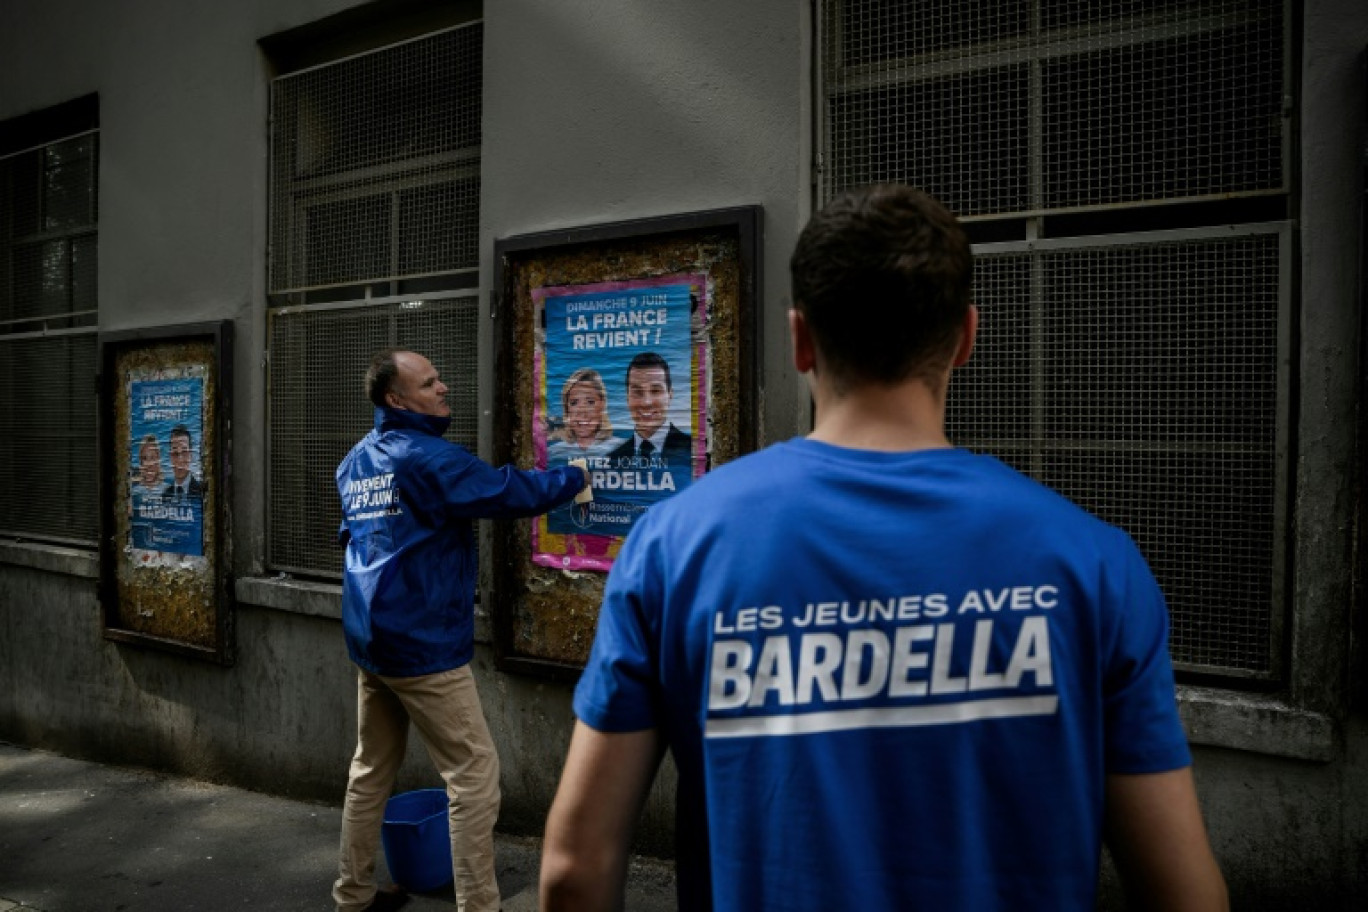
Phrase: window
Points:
(374, 241)
(1123, 169)
(49, 179)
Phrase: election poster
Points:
(164, 448)
(633, 346)
(166, 496)
(621, 385)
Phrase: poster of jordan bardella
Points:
(617, 385)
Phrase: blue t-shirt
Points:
(889, 680)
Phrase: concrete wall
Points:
(596, 112)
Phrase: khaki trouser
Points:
(445, 709)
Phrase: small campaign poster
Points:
(166, 496)
(163, 468)
(618, 385)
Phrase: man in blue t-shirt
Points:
(893, 674)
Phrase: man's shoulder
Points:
(405, 442)
(1008, 486)
(734, 485)
(400, 450)
(966, 480)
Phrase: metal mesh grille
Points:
(319, 408)
(47, 438)
(48, 218)
(48, 340)
(1139, 378)
(963, 137)
(375, 165)
(1141, 381)
(1027, 107)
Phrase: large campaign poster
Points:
(621, 385)
(166, 496)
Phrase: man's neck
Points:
(907, 416)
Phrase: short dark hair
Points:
(647, 360)
(882, 275)
(181, 430)
(381, 373)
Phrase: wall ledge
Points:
(1258, 723)
(285, 593)
(317, 599)
(52, 558)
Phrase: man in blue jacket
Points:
(408, 500)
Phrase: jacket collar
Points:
(391, 419)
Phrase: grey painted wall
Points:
(595, 112)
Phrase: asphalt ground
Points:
(82, 837)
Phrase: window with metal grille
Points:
(375, 166)
(1131, 355)
(319, 409)
(1037, 106)
(48, 236)
(375, 171)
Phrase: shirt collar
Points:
(657, 439)
(392, 419)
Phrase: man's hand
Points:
(589, 829)
(586, 493)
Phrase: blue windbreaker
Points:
(408, 501)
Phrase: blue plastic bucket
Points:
(417, 840)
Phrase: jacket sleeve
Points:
(472, 489)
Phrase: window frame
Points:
(43, 130)
(1299, 716)
(306, 194)
(1021, 49)
(295, 198)
(1280, 583)
(343, 435)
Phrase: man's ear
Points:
(967, 336)
(392, 399)
(804, 350)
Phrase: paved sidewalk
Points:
(81, 837)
